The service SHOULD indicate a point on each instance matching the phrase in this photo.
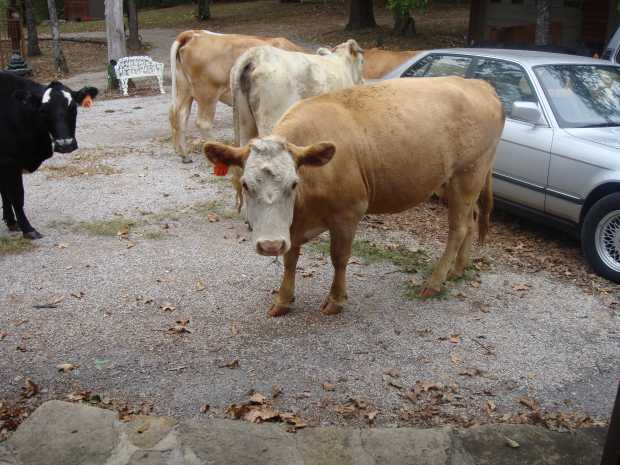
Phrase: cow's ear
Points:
(226, 154)
(312, 155)
(85, 96)
(27, 98)
(323, 51)
(354, 47)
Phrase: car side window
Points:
(509, 79)
(439, 65)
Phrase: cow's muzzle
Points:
(65, 145)
(271, 248)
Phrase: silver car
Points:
(559, 156)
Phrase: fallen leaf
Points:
(455, 339)
(471, 372)
(30, 388)
(392, 382)
(261, 414)
(530, 403)
(123, 231)
(61, 246)
(489, 406)
(346, 409)
(66, 367)
(179, 329)
(212, 217)
(234, 329)
(258, 398)
(370, 416)
(329, 386)
(204, 408)
(77, 295)
(200, 286)
(232, 365)
(56, 300)
(456, 360)
(275, 391)
(167, 307)
(512, 443)
(3, 335)
(19, 322)
(393, 372)
(101, 364)
(531, 375)
(520, 287)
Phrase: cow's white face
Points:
(270, 182)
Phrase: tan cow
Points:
(200, 63)
(388, 147)
(378, 62)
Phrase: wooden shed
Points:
(80, 10)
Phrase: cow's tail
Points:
(180, 41)
(485, 204)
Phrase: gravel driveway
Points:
(136, 241)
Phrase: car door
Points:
(521, 166)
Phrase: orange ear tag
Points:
(220, 169)
(87, 102)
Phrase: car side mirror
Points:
(526, 111)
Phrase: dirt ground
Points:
(145, 295)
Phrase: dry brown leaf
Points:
(232, 365)
(66, 367)
(329, 386)
(167, 307)
(212, 217)
(456, 359)
(370, 416)
(123, 231)
(520, 287)
(205, 408)
(489, 406)
(77, 295)
(393, 372)
(346, 409)
(258, 415)
(530, 403)
(234, 328)
(512, 443)
(531, 375)
(471, 372)
(3, 335)
(258, 398)
(454, 338)
(30, 388)
(56, 300)
(180, 327)
(275, 391)
(200, 286)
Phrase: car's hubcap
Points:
(608, 240)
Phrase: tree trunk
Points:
(543, 22)
(132, 18)
(361, 15)
(204, 9)
(404, 24)
(33, 36)
(60, 63)
(115, 29)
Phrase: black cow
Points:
(35, 122)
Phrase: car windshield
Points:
(582, 96)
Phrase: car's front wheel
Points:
(600, 237)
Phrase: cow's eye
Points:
(294, 185)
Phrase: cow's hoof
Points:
(429, 292)
(278, 310)
(187, 160)
(34, 234)
(330, 308)
(12, 226)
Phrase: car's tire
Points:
(600, 237)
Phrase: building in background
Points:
(578, 25)
(82, 10)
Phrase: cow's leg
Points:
(235, 180)
(207, 101)
(341, 241)
(7, 209)
(286, 294)
(462, 257)
(180, 110)
(15, 192)
(463, 191)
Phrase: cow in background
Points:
(265, 82)
(378, 62)
(200, 63)
(35, 121)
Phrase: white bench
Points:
(138, 67)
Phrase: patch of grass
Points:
(73, 170)
(412, 292)
(154, 235)
(106, 227)
(15, 245)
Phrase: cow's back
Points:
(396, 141)
(378, 63)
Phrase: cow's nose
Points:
(65, 145)
(270, 247)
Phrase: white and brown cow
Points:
(200, 63)
(387, 147)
